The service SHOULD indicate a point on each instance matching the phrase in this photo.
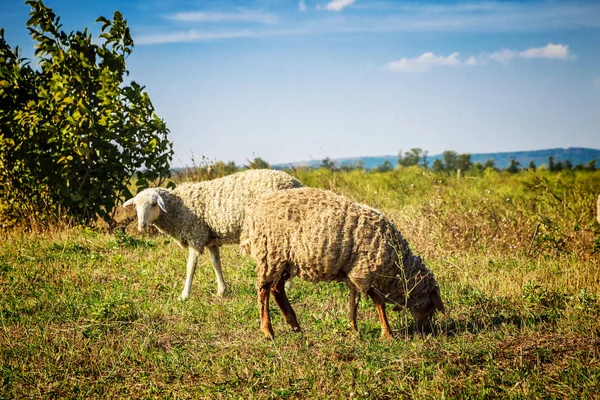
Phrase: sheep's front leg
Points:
(191, 269)
(353, 299)
(215, 258)
(380, 305)
(265, 318)
(285, 306)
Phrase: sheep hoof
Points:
(183, 297)
(268, 332)
(269, 335)
(221, 291)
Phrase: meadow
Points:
(88, 313)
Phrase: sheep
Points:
(206, 214)
(322, 237)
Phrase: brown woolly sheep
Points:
(322, 237)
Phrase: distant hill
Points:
(577, 155)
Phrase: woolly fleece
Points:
(320, 236)
(213, 212)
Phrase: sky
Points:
(303, 80)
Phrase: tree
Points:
(477, 167)
(568, 164)
(438, 165)
(258, 163)
(385, 167)
(450, 158)
(220, 169)
(532, 165)
(413, 157)
(490, 163)
(463, 162)
(513, 168)
(327, 163)
(558, 166)
(74, 133)
(400, 158)
(424, 162)
(592, 165)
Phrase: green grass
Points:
(88, 314)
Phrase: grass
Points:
(90, 314)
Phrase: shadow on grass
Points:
(454, 326)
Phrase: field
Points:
(87, 313)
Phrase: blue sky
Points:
(300, 80)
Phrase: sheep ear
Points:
(128, 202)
(435, 298)
(161, 203)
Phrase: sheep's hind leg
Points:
(215, 258)
(380, 305)
(285, 306)
(191, 269)
(353, 300)
(265, 318)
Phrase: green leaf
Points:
(75, 197)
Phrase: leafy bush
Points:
(73, 133)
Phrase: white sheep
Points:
(206, 214)
(322, 237)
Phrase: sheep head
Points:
(422, 316)
(148, 204)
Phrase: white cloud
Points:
(302, 5)
(502, 56)
(242, 16)
(550, 51)
(191, 36)
(428, 60)
(423, 63)
(471, 60)
(338, 5)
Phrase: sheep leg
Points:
(380, 305)
(352, 306)
(285, 306)
(265, 318)
(215, 258)
(191, 269)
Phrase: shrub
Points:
(73, 133)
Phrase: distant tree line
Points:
(451, 162)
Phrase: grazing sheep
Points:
(206, 214)
(320, 236)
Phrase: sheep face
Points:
(423, 316)
(148, 204)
